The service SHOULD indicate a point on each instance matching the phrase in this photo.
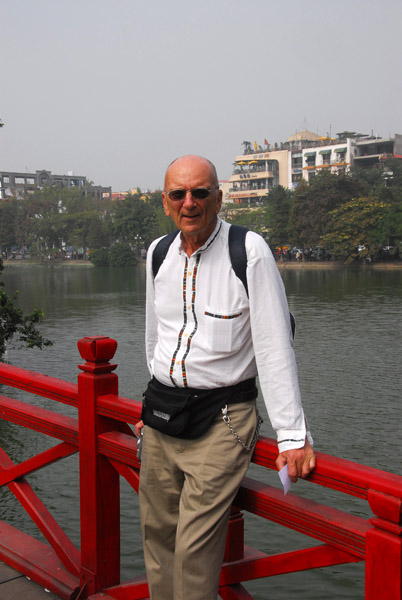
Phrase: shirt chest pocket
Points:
(225, 331)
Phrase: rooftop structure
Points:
(14, 184)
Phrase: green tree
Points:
(392, 193)
(278, 214)
(358, 229)
(254, 218)
(315, 200)
(98, 232)
(42, 227)
(13, 323)
(80, 230)
(121, 255)
(100, 257)
(8, 220)
(164, 224)
(135, 221)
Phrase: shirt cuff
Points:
(291, 439)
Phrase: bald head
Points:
(193, 163)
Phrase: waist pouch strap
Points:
(188, 412)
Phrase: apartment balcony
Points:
(240, 196)
(251, 175)
(332, 163)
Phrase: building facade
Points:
(303, 156)
(14, 184)
(255, 174)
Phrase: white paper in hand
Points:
(285, 479)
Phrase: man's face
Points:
(194, 217)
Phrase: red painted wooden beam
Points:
(321, 522)
(37, 462)
(99, 481)
(40, 419)
(37, 561)
(132, 476)
(256, 565)
(64, 549)
(119, 446)
(117, 407)
(135, 589)
(234, 592)
(41, 385)
(337, 473)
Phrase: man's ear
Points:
(219, 201)
(165, 204)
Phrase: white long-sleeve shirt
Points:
(202, 330)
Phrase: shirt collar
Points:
(209, 241)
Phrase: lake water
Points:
(348, 346)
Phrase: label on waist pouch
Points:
(161, 415)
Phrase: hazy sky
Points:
(116, 89)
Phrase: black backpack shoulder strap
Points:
(237, 252)
(160, 251)
(238, 258)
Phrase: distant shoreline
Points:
(337, 264)
(286, 264)
(46, 263)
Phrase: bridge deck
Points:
(14, 586)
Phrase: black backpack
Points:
(237, 252)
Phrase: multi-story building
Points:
(255, 174)
(16, 184)
(370, 151)
(303, 156)
(333, 157)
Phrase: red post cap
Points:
(97, 350)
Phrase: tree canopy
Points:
(357, 229)
(15, 325)
(50, 221)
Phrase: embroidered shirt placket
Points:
(190, 323)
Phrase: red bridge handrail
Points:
(356, 479)
(107, 450)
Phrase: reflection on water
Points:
(348, 346)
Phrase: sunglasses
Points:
(197, 193)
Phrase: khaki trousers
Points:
(186, 491)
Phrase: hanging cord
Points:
(226, 419)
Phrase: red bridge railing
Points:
(107, 450)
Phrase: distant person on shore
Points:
(206, 341)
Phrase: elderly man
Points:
(206, 340)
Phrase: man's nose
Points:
(188, 199)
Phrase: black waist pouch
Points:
(188, 412)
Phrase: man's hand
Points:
(138, 426)
(300, 462)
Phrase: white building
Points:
(303, 156)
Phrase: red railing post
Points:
(234, 549)
(384, 548)
(99, 481)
